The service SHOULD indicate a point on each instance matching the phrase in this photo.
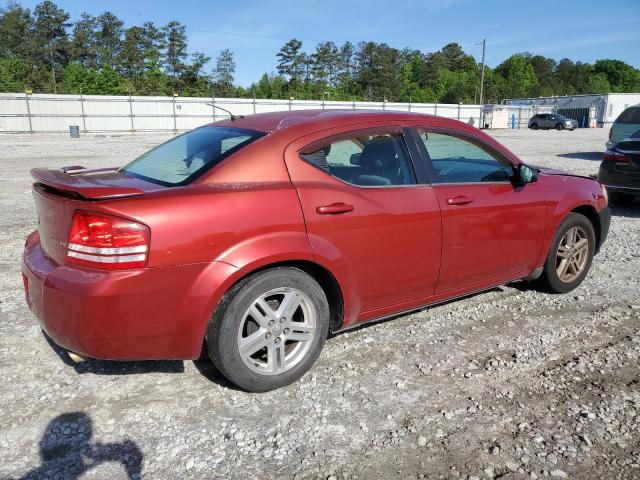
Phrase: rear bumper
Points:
(145, 314)
(619, 182)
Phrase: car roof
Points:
(270, 122)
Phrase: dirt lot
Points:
(510, 383)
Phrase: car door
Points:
(543, 121)
(366, 215)
(492, 230)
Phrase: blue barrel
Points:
(74, 131)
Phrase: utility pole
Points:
(484, 50)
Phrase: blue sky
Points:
(255, 30)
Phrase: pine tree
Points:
(175, 41)
(108, 39)
(83, 42)
(15, 23)
(224, 71)
(291, 60)
(50, 33)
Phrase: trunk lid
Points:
(59, 193)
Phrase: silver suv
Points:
(552, 120)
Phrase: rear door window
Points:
(364, 158)
(184, 158)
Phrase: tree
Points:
(96, 54)
(132, 58)
(291, 60)
(598, 83)
(454, 58)
(621, 76)
(544, 70)
(378, 71)
(193, 80)
(344, 63)
(15, 23)
(224, 71)
(520, 78)
(175, 49)
(80, 79)
(83, 41)
(13, 72)
(153, 43)
(108, 38)
(324, 62)
(50, 32)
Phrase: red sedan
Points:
(261, 235)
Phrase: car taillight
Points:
(106, 242)
(613, 156)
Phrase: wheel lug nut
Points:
(268, 335)
(283, 319)
(271, 323)
(286, 330)
(277, 340)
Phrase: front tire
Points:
(559, 127)
(269, 329)
(534, 126)
(570, 255)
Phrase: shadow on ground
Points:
(595, 156)
(110, 367)
(66, 450)
(630, 211)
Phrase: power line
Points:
(303, 39)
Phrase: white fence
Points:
(43, 113)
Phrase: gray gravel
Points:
(510, 383)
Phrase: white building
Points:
(607, 106)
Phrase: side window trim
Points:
(378, 130)
(499, 156)
(422, 162)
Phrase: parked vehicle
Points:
(547, 121)
(620, 170)
(626, 123)
(261, 235)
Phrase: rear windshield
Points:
(630, 115)
(184, 158)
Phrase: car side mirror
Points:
(525, 174)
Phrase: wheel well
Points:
(591, 213)
(326, 280)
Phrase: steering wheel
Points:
(496, 176)
(455, 168)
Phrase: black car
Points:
(620, 170)
(552, 120)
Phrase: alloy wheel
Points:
(572, 254)
(276, 331)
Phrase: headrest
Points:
(378, 153)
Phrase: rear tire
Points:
(559, 127)
(269, 329)
(570, 255)
(534, 126)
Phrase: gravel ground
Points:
(510, 383)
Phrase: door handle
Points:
(459, 200)
(334, 209)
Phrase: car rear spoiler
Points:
(93, 184)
